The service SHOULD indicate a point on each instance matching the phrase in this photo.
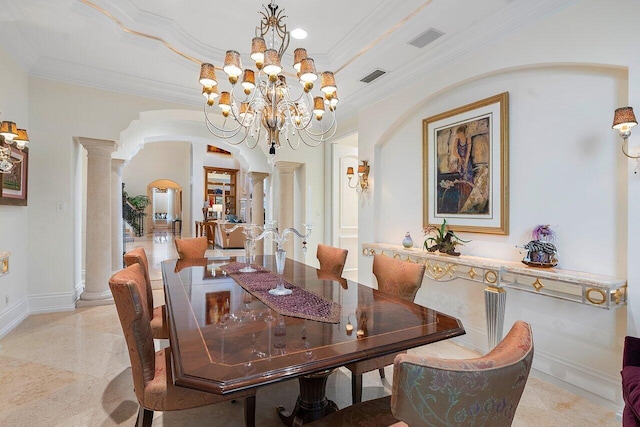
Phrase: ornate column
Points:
(117, 241)
(257, 204)
(284, 197)
(98, 233)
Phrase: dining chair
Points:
(332, 259)
(398, 278)
(429, 391)
(158, 314)
(210, 232)
(152, 371)
(193, 247)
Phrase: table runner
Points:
(300, 303)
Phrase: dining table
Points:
(228, 333)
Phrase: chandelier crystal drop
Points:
(12, 143)
(263, 108)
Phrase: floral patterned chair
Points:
(429, 391)
(631, 382)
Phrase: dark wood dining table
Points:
(223, 339)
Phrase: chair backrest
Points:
(487, 389)
(138, 255)
(210, 231)
(396, 277)
(332, 260)
(128, 289)
(193, 247)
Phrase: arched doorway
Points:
(166, 205)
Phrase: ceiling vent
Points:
(425, 38)
(372, 76)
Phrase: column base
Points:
(91, 299)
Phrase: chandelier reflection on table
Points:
(263, 108)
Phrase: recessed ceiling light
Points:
(299, 34)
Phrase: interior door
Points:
(344, 206)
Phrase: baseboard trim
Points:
(12, 315)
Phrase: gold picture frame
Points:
(14, 185)
(466, 167)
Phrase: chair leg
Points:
(356, 388)
(381, 370)
(145, 417)
(250, 411)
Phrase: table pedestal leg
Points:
(495, 299)
(312, 402)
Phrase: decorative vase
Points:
(407, 242)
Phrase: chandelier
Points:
(263, 107)
(12, 142)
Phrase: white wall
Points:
(565, 170)
(14, 230)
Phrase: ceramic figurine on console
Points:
(540, 251)
(444, 241)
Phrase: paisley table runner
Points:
(300, 303)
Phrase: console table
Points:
(601, 291)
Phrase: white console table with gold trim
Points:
(595, 290)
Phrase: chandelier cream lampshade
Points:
(12, 142)
(264, 110)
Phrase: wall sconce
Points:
(623, 121)
(363, 177)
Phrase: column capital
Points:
(97, 147)
(287, 167)
(117, 165)
(257, 176)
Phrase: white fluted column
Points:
(285, 200)
(98, 234)
(117, 248)
(257, 204)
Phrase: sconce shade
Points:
(624, 118)
(349, 171)
(9, 130)
(362, 169)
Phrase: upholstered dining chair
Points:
(152, 372)
(193, 247)
(332, 259)
(157, 315)
(428, 391)
(399, 278)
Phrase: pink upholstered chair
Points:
(193, 247)
(331, 259)
(631, 382)
(399, 278)
(159, 328)
(487, 389)
(152, 374)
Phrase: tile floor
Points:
(72, 369)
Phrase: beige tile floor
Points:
(72, 369)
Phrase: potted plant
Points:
(443, 240)
(541, 252)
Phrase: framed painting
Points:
(13, 185)
(466, 167)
